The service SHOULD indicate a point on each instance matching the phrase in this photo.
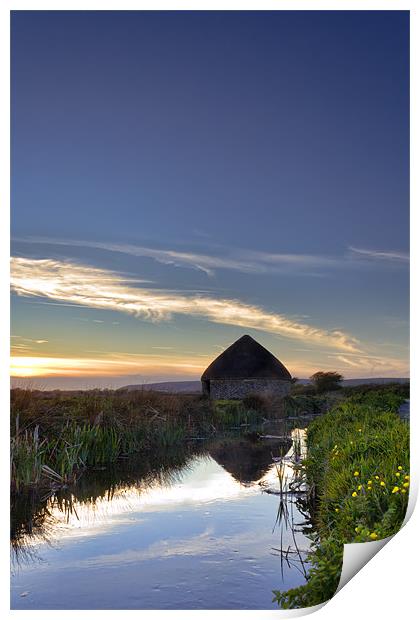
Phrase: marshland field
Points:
(191, 494)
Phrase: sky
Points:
(182, 178)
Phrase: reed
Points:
(55, 436)
(26, 456)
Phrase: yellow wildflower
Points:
(398, 474)
(360, 430)
(399, 468)
(382, 483)
(395, 489)
(403, 490)
(374, 535)
(354, 494)
(356, 474)
(337, 510)
(369, 481)
(406, 484)
(369, 488)
(376, 477)
(406, 477)
(359, 487)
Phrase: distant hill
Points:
(375, 380)
(167, 386)
(190, 387)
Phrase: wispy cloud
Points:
(372, 364)
(245, 261)
(235, 259)
(29, 340)
(348, 361)
(98, 288)
(380, 254)
(163, 348)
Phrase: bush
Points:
(256, 402)
(386, 395)
(304, 389)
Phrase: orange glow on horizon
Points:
(28, 366)
(115, 365)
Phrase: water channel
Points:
(197, 527)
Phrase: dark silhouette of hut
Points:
(244, 368)
(245, 460)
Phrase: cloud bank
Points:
(83, 285)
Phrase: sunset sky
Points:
(180, 179)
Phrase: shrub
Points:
(256, 402)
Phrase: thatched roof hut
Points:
(244, 359)
(243, 368)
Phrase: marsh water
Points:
(198, 527)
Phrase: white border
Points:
(388, 585)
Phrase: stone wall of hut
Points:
(231, 389)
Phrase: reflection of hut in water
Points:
(244, 368)
(245, 460)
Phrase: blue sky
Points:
(182, 178)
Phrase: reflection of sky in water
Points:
(204, 542)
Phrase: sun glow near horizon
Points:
(39, 366)
(172, 367)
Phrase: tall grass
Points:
(55, 436)
(358, 471)
(26, 456)
(234, 414)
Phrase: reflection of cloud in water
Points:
(202, 481)
(194, 545)
(207, 482)
(202, 524)
(204, 544)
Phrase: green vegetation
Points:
(306, 404)
(308, 389)
(55, 436)
(237, 413)
(357, 470)
(378, 394)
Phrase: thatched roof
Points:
(246, 359)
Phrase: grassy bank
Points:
(357, 470)
(54, 436)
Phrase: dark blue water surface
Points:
(202, 533)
